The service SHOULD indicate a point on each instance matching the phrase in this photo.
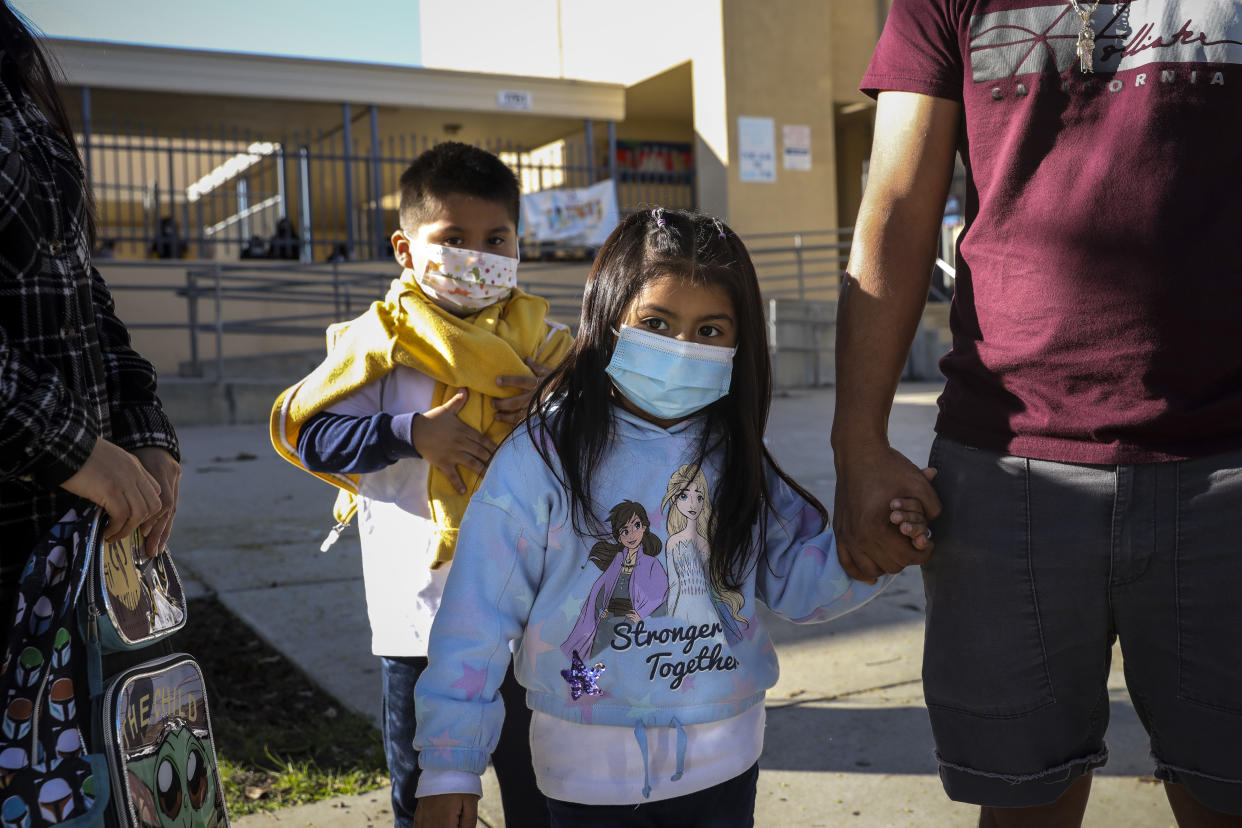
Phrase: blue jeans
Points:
(1039, 566)
(731, 804)
(524, 805)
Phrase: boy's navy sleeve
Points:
(349, 444)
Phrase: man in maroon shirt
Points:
(1089, 441)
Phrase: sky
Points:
(548, 38)
(388, 31)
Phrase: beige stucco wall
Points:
(778, 65)
(855, 29)
(796, 61)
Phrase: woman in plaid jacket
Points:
(79, 417)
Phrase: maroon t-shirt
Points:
(1098, 307)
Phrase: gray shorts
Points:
(1039, 567)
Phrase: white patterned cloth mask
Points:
(465, 281)
(667, 377)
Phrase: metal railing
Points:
(221, 301)
(803, 264)
(225, 300)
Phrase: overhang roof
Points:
(161, 69)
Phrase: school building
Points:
(227, 181)
(741, 108)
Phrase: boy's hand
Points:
(447, 811)
(513, 409)
(446, 442)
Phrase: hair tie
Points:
(658, 215)
(720, 230)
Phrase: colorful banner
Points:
(654, 157)
(581, 216)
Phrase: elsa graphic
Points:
(692, 597)
(631, 587)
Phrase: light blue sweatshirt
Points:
(633, 639)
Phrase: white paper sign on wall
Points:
(797, 146)
(514, 99)
(756, 149)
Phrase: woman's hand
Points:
(167, 473)
(117, 480)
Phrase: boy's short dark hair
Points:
(454, 167)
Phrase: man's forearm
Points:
(891, 259)
(878, 315)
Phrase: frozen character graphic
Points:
(632, 586)
(692, 595)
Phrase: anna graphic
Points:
(693, 597)
(632, 585)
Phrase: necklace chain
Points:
(1086, 35)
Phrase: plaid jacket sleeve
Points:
(46, 431)
(138, 418)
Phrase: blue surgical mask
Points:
(666, 377)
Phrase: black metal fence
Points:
(227, 194)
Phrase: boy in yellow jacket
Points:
(404, 414)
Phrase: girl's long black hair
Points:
(578, 421)
(27, 67)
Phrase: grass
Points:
(280, 740)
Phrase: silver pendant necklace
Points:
(1086, 35)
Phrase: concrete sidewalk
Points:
(848, 741)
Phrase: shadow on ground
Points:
(855, 736)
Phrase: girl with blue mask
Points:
(656, 657)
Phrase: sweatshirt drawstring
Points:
(640, 735)
(681, 749)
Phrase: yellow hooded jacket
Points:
(406, 328)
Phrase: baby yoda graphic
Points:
(172, 783)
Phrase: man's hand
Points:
(167, 473)
(117, 481)
(513, 409)
(446, 442)
(869, 481)
(878, 314)
(447, 811)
